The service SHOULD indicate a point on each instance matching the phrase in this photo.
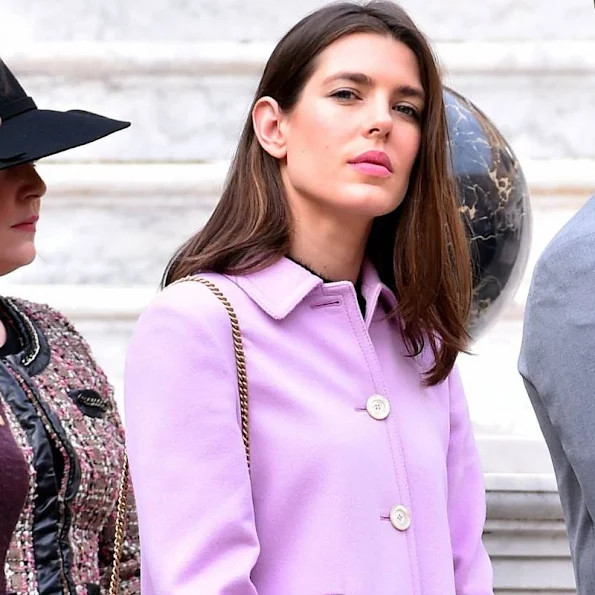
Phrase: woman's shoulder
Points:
(43, 315)
(53, 324)
(198, 300)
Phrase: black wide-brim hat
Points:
(28, 133)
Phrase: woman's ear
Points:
(267, 120)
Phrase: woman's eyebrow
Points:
(359, 78)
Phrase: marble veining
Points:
(495, 205)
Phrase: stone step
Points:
(164, 20)
(119, 224)
(188, 101)
(525, 536)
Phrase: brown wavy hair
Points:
(420, 250)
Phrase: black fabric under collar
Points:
(361, 300)
(309, 269)
(15, 340)
(12, 343)
(33, 353)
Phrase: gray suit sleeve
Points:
(557, 363)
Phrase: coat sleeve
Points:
(187, 458)
(557, 363)
(466, 499)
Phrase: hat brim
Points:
(38, 133)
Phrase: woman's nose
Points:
(34, 186)
(380, 120)
(40, 186)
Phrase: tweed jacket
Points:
(61, 411)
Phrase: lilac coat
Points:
(349, 495)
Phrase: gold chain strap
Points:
(238, 347)
(114, 582)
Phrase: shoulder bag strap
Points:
(238, 347)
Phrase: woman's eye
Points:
(408, 111)
(344, 94)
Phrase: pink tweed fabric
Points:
(63, 416)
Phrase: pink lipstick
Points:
(28, 224)
(373, 163)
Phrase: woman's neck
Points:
(333, 252)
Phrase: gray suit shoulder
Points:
(560, 285)
(572, 234)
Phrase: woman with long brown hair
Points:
(321, 443)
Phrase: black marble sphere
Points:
(495, 206)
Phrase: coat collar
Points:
(282, 286)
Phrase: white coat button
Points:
(400, 518)
(378, 407)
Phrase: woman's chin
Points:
(372, 202)
(15, 261)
